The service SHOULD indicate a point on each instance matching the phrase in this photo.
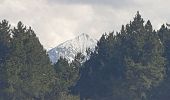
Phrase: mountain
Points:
(71, 47)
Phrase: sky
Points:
(55, 21)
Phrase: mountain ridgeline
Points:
(70, 48)
(133, 64)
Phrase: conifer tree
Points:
(145, 62)
(4, 52)
(162, 91)
(29, 71)
(4, 40)
(68, 74)
(131, 62)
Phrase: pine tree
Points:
(68, 75)
(148, 26)
(4, 40)
(145, 63)
(4, 52)
(162, 91)
(29, 71)
(131, 62)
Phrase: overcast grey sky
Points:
(55, 21)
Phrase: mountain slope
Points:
(71, 47)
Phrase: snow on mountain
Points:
(71, 47)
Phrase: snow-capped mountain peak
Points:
(71, 47)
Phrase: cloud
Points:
(55, 21)
(114, 3)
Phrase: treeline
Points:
(26, 72)
(133, 64)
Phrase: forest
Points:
(133, 64)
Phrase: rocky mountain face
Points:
(71, 47)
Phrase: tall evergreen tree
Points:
(131, 62)
(68, 74)
(162, 91)
(4, 52)
(29, 71)
(4, 40)
(144, 59)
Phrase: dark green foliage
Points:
(4, 52)
(29, 71)
(4, 40)
(68, 74)
(133, 64)
(144, 61)
(163, 90)
(64, 72)
(26, 72)
(125, 66)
